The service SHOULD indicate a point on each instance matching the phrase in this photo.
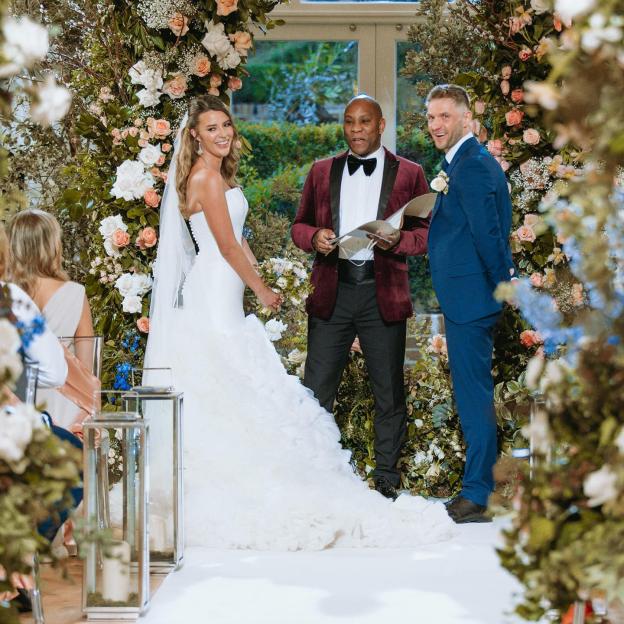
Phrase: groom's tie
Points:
(368, 164)
(445, 164)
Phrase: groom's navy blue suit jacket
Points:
(469, 249)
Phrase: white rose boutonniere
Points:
(440, 184)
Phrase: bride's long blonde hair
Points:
(187, 152)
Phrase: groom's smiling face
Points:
(447, 122)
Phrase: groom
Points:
(359, 290)
(469, 255)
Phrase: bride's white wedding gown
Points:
(263, 465)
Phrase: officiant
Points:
(361, 285)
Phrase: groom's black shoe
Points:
(461, 510)
(385, 488)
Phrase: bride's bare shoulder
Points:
(201, 178)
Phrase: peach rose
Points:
(144, 134)
(178, 24)
(158, 128)
(495, 147)
(124, 133)
(531, 219)
(142, 143)
(242, 42)
(517, 96)
(161, 160)
(133, 131)
(202, 66)
(438, 344)
(525, 54)
(116, 134)
(531, 136)
(479, 107)
(225, 7)
(143, 325)
(214, 91)
(176, 87)
(526, 234)
(506, 72)
(147, 238)
(234, 83)
(165, 147)
(504, 164)
(138, 122)
(504, 87)
(514, 117)
(120, 238)
(530, 338)
(537, 280)
(215, 81)
(151, 198)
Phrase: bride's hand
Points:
(270, 299)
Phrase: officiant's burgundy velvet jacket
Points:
(320, 208)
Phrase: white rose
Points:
(438, 184)
(230, 60)
(52, 103)
(141, 283)
(132, 304)
(600, 486)
(109, 224)
(296, 356)
(540, 6)
(132, 181)
(136, 71)
(111, 250)
(274, 329)
(9, 338)
(25, 43)
(16, 429)
(125, 284)
(150, 154)
(215, 41)
(569, 9)
(152, 80)
(148, 98)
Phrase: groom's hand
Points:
(321, 239)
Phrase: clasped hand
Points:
(270, 299)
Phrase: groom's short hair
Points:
(453, 92)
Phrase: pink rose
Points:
(356, 345)
(178, 24)
(161, 160)
(202, 66)
(158, 128)
(537, 280)
(124, 133)
(504, 164)
(225, 7)
(516, 24)
(242, 42)
(138, 122)
(479, 107)
(151, 198)
(116, 134)
(525, 54)
(531, 136)
(143, 325)
(120, 238)
(514, 117)
(164, 175)
(438, 344)
(506, 72)
(166, 147)
(214, 91)
(144, 134)
(215, 81)
(531, 219)
(530, 338)
(517, 96)
(133, 131)
(495, 147)
(234, 83)
(504, 87)
(147, 237)
(526, 233)
(176, 87)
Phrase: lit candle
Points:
(116, 572)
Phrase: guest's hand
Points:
(270, 299)
(388, 241)
(321, 239)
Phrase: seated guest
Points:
(37, 267)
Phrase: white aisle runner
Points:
(455, 582)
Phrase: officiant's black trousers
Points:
(383, 346)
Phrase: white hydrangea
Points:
(148, 98)
(51, 103)
(25, 43)
(132, 304)
(299, 270)
(17, 424)
(150, 154)
(274, 329)
(132, 181)
(108, 225)
(296, 356)
(230, 60)
(216, 41)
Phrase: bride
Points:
(263, 465)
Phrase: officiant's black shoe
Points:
(385, 488)
(461, 510)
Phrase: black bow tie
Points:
(368, 164)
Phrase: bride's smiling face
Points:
(215, 132)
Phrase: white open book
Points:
(420, 206)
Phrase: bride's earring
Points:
(200, 151)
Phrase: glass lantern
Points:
(162, 407)
(116, 571)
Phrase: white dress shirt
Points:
(359, 202)
(451, 153)
(44, 350)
